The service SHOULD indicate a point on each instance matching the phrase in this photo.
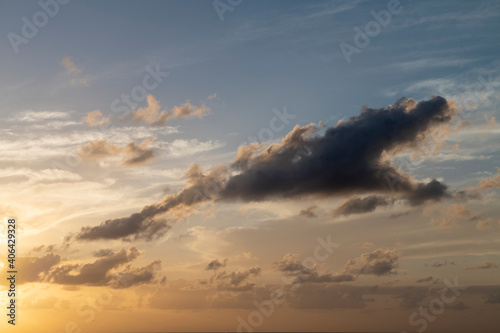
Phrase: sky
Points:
(245, 166)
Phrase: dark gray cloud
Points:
(433, 191)
(346, 159)
(133, 153)
(216, 264)
(145, 224)
(134, 227)
(138, 153)
(361, 205)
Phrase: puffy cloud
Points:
(458, 210)
(379, 262)
(99, 272)
(308, 212)
(345, 159)
(73, 71)
(95, 273)
(216, 264)
(434, 191)
(139, 153)
(132, 276)
(133, 153)
(99, 149)
(95, 118)
(482, 223)
(153, 115)
(291, 266)
(361, 205)
(489, 183)
(234, 281)
(69, 66)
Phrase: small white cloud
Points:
(70, 67)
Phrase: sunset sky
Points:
(238, 165)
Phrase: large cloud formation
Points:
(145, 224)
(346, 159)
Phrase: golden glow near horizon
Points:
(248, 166)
